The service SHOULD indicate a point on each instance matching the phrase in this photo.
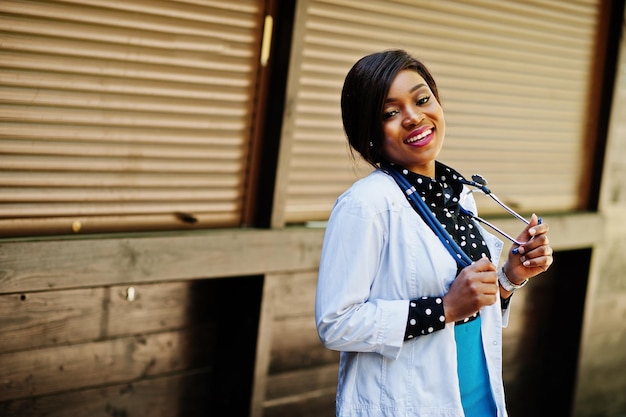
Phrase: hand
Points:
(533, 257)
(475, 287)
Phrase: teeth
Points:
(420, 136)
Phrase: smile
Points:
(419, 136)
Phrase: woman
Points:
(419, 334)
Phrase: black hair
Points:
(363, 97)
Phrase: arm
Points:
(348, 316)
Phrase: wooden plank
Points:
(296, 345)
(285, 151)
(603, 392)
(608, 311)
(36, 319)
(295, 295)
(315, 404)
(606, 350)
(299, 382)
(142, 258)
(49, 370)
(263, 344)
(189, 395)
(148, 308)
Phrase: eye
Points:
(422, 100)
(389, 114)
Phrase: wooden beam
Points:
(97, 261)
(113, 260)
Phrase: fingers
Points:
(536, 232)
(480, 278)
(536, 255)
(475, 287)
(482, 265)
(540, 257)
(538, 246)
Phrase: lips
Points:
(419, 136)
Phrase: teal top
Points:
(476, 394)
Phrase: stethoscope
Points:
(480, 183)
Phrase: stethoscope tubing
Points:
(492, 226)
(429, 217)
(504, 206)
(443, 235)
(483, 188)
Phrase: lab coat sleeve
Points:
(348, 316)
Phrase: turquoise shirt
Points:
(476, 395)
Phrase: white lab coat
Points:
(377, 255)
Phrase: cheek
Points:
(390, 130)
(389, 136)
(441, 117)
(386, 129)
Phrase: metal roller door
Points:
(125, 115)
(514, 78)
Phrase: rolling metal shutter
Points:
(125, 115)
(514, 78)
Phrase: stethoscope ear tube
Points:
(497, 229)
(478, 181)
(429, 217)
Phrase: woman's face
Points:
(413, 124)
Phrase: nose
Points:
(413, 116)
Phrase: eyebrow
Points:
(413, 89)
(417, 87)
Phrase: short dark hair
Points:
(363, 97)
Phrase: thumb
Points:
(526, 234)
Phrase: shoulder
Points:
(374, 187)
(376, 192)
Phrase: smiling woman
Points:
(413, 124)
(390, 298)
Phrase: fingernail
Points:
(515, 251)
(540, 220)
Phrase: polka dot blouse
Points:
(441, 195)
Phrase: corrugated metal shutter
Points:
(514, 79)
(125, 115)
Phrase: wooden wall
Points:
(138, 326)
(220, 322)
(220, 319)
(301, 373)
(601, 387)
(162, 349)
